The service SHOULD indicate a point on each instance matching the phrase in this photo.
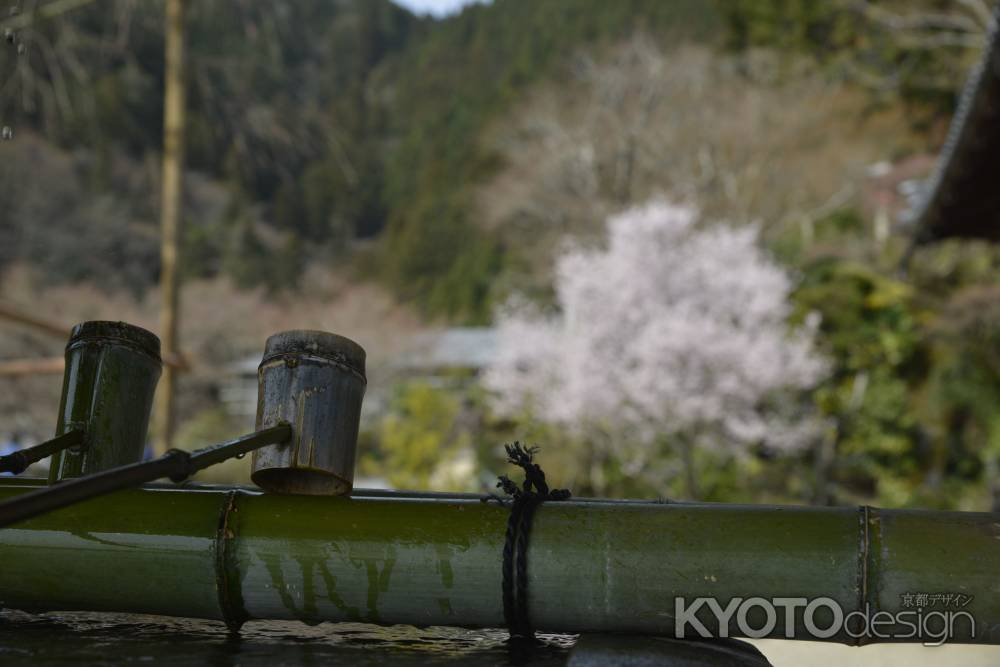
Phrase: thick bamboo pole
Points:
(171, 205)
(111, 373)
(593, 567)
(315, 380)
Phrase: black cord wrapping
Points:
(532, 493)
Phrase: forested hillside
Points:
(317, 125)
(314, 125)
(353, 165)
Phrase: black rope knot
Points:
(533, 492)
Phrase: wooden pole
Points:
(38, 366)
(236, 555)
(19, 316)
(178, 360)
(171, 205)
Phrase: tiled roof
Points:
(963, 196)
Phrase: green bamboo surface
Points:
(237, 555)
(111, 373)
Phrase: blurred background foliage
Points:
(443, 160)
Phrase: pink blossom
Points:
(674, 328)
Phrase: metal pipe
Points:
(396, 494)
(19, 461)
(111, 374)
(593, 567)
(176, 465)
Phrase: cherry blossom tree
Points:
(674, 334)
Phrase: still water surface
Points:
(94, 639)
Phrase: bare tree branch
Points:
(47, 11)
